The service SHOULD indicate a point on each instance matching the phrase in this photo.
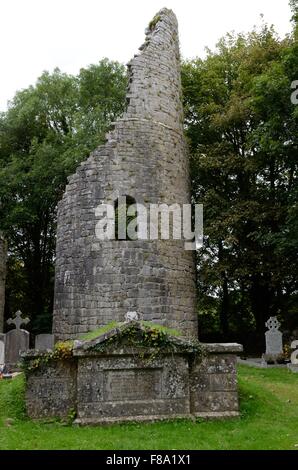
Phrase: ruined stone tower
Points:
(145, 158)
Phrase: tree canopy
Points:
(47, 131)
(242, 131)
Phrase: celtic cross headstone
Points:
(16, 340)
(274, 345)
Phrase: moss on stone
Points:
(112, 325)
(154, 22)
(149, 338)
(99, 331)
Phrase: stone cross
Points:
(16, 340)
(272, 323)
(274, 346)
(18, 320)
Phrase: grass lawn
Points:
(269, 420)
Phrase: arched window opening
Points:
(122, 219)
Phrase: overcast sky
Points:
(37, 35)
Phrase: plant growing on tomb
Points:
(63, 350)
(149, 340)
(71, 416)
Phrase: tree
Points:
(241, 127)
(47, 130)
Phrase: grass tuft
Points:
(99, 331)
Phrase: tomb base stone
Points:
(107, 380)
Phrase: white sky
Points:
(37, 35)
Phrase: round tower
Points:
(145, 159)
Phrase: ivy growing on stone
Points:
(63, 350)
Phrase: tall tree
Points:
(47, 130)
(3, 257)
(242, 130)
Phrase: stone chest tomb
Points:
(121, 375)
(134, 372)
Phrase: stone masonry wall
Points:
(51, 390)
(145, 157)
(213, 382)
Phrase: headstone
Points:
(294, 334)
(294, 355)
(274, 346)
(2, 361)
(44, 342)
(16, 340)
(293, 366)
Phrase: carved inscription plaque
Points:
(126, 384)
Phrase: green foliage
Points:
(294, 8)
(143, 336)
(12, 399)
(268, 406)
(149, 339)
(63, 351)
(99, 331)
(154, 22)
(123, 218)
(242, 130)
(47, 131)
(112, 325)
(72, 414)
(162, 328)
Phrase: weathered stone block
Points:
(213, 381)
(219, 402)
(51, 389)
(44, 341)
